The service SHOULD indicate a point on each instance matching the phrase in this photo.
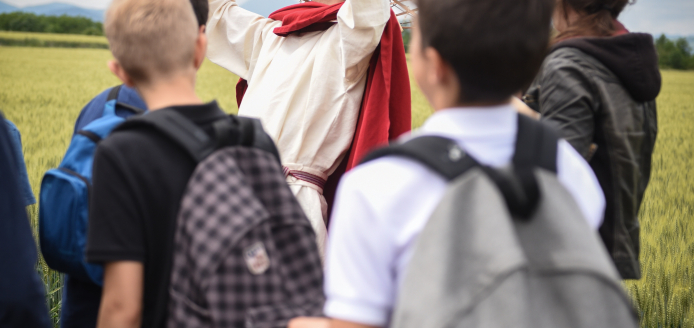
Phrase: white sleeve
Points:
(578, 178)
(361, 24)
(235, 36)
(359, 278)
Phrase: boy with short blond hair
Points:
(151, 41)
(139, 176)
(81, 297)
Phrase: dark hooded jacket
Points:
(600, 94)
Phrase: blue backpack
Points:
(64, 198)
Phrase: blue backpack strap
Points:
(97, 134)
(113, 95)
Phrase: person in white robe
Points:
(305, 88)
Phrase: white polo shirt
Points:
(382, 206)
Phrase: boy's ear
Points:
(200, 47)
(119, 72)
(442, 75)
(438, 68)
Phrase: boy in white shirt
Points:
(306, 67)
(469, 58)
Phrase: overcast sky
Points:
(652, 16)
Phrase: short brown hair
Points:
(151, 38)
(495, 46)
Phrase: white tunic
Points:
(383, 205)
(306, 89)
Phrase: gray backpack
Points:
(506, 247)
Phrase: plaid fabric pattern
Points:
(236, 200)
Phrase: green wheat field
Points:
(42, 90)
(53, 37)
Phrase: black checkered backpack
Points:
(245, 254)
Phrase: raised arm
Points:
(235, 36)
(361, 24)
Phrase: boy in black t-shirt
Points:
(81, 298)
(139, 177)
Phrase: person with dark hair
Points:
(22, 294)
(469, 58)
(598, 87)
(202, 11)
(81, 299)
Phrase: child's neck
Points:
(479, 104)
(175, 91)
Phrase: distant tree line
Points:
(675, 54)
(27, 22)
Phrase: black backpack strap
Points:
(253, 134)
(113, 94)
(244, 131)
(229, 131)
(519, 188)
(247, 128)
(536, 145)
(196, 142)
(439, 154)
(133, 109)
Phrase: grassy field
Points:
(43, 89)
(9, 38)
(53, 37)
(665, 294)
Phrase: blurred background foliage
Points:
(674, 54)
(27, 22)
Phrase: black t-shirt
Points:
(139, 178)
